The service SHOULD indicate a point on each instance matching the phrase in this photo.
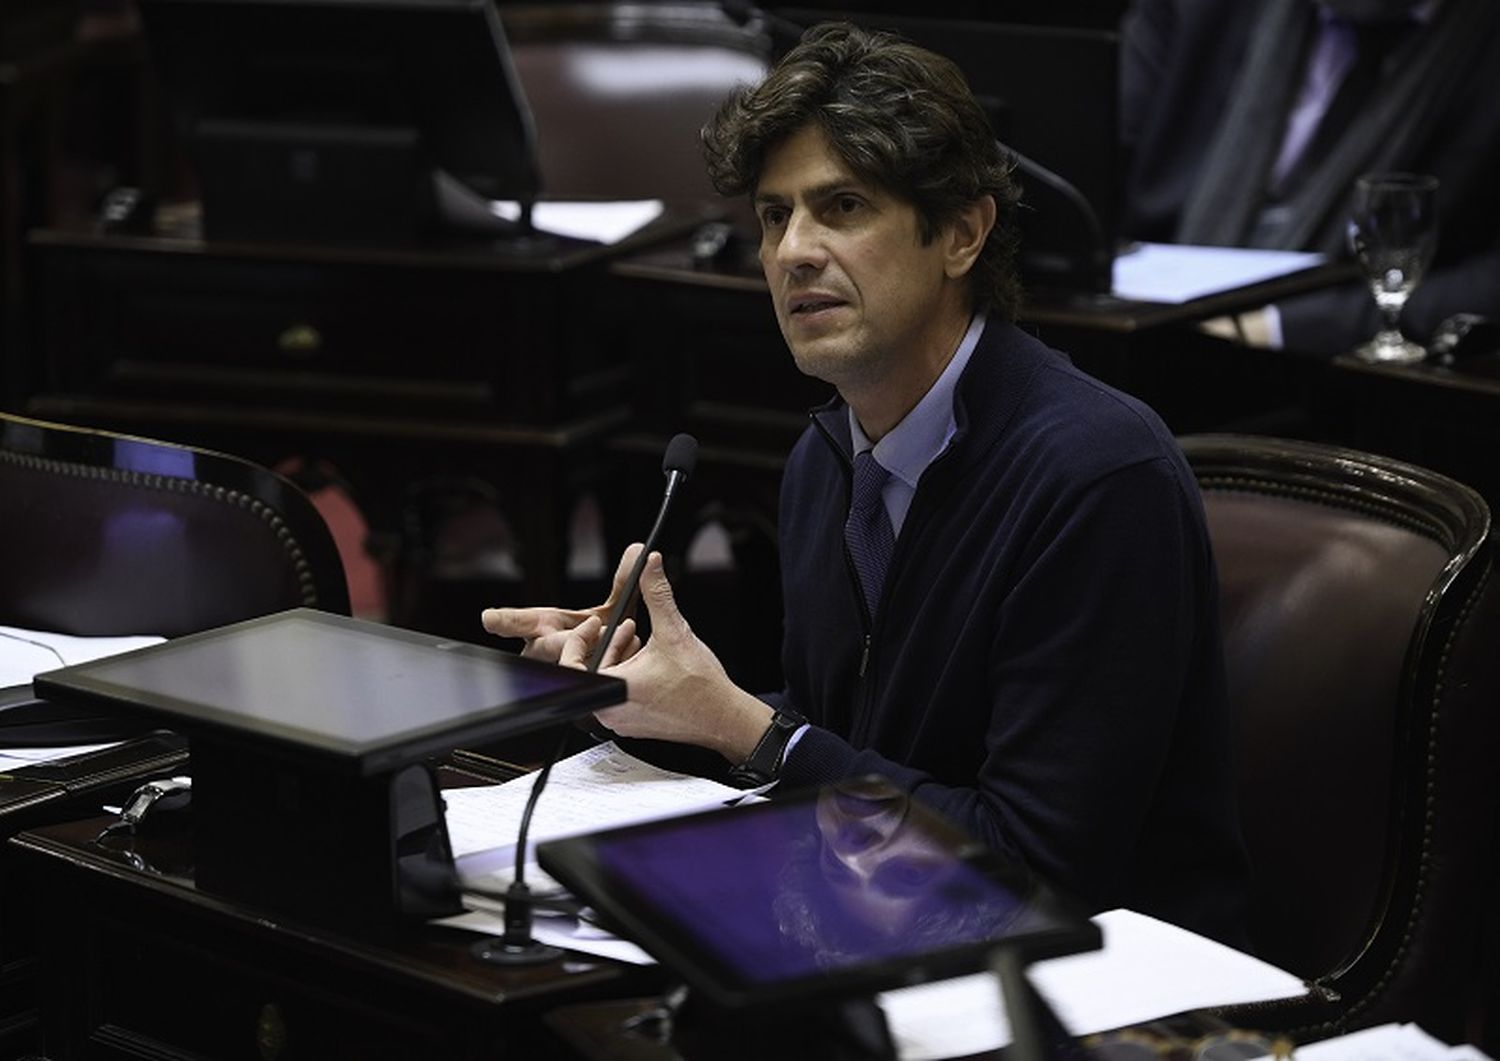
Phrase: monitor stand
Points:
(509, 227)
(295, 835)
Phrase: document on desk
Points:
(600, 788)
(15, 758)
(1147, 969)
(1388, 1042)
(603, 222)
(1176, 273)
(27, 653)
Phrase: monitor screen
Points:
(360, 695)
(330, 117)
(852, 888)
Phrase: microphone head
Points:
(681, 456)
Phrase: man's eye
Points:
(772, 217)
(847, 204)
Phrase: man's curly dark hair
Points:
(900, 117)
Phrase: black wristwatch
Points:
(764, 764)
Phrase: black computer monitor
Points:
(328, 119)
(1051, 94)
(313, 737)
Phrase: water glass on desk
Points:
(1393, 234)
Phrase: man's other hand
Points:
(545, 630)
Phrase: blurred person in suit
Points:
(1246, 123)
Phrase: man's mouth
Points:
(808, 304)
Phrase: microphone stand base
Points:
(500, 951)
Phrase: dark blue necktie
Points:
(868, 531)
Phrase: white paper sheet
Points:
(604, 222)
(15, 758)
(1147, 969)
(1175, 273)
(1388, 1042)
(27, 653)
(599, 788)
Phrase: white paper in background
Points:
(1147, 969)
(15, 758)
(26, 653)
(603, 222)
(599, 788)
(1388, 1042)
(1176, 273)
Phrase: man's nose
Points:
(801, 244)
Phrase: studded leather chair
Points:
(104, 534)
(1362, 641)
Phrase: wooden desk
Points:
(50, 792)
(139, 962)
(1443, 417)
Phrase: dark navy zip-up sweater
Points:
(1045, 665)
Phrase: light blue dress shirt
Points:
(908, 448)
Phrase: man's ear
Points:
(965, 236)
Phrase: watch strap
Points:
(764, 764)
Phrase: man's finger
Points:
(521, 622)
(622, 646)
(578, 645)
(661, 605)
(622, 575)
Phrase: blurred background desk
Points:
(1442, 416)
(421, 378)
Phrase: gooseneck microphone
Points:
(516, 946)
(677, 465)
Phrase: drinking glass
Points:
(1393, 233)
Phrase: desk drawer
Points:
(388, 336)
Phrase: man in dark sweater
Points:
(998, 582)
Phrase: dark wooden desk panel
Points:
(141, 963)
(1443, 417)
(37, 62)
(50, 792)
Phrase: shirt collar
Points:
(908, 448)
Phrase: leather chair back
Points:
(619, 92)
(1361, 626)
(104, 534)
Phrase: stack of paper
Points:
(26, 653)
(600, 788)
